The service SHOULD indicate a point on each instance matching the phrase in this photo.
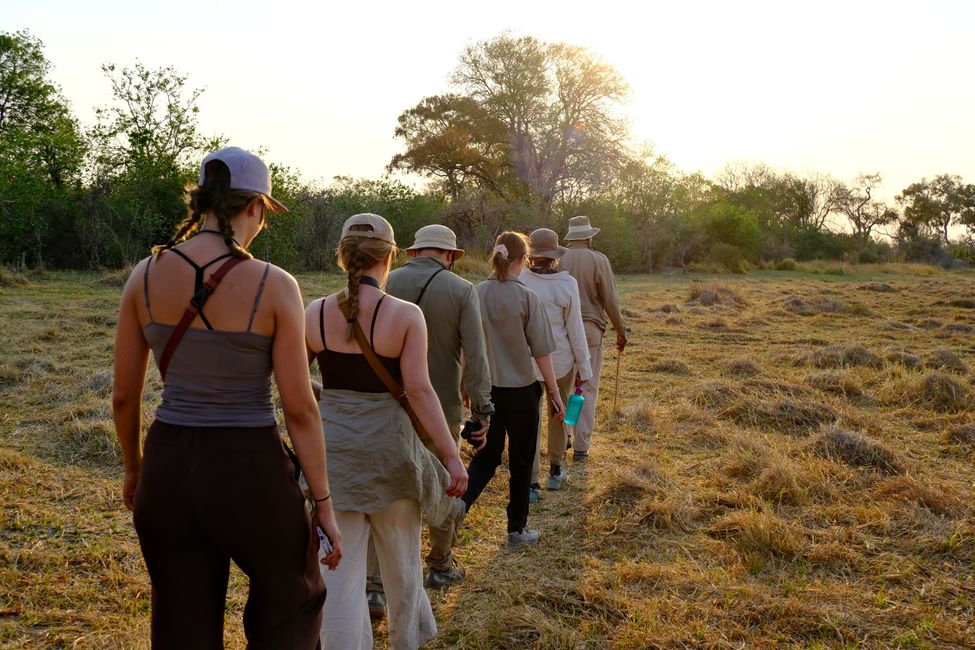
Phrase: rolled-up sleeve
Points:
(477, 376)
(577, 333)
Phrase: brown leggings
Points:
(207, 496)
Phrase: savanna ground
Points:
(790, 466)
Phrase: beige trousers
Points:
(396, 532)
(583, 429)
(556, 429)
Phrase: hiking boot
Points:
(534, 493)
(522, 539)
(377, 604)
(441, 579)
(555, 481)
(580, 456)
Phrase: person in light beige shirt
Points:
(599, 299)
(559, 294)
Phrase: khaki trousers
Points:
(583, 429)
(396, 533)
(556, 429)
(442, 538)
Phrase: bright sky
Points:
(809, 86)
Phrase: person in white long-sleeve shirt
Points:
(560, 296)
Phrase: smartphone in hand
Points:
(323, 540)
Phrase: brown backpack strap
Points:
(196, 304)
(377, 366)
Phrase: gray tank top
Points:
(215, 378)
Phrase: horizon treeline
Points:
(531, 134)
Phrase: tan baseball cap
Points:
(379, 228)
(439, 237)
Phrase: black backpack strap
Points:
(429, 280)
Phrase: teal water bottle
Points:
(574, 407)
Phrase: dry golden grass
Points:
(739, 498)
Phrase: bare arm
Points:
(423, 399)
(131, 362)
(301, 414)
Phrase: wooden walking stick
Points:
(616, 394)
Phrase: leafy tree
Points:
(147, 145)
(864, 213)
(41, 149)
(938, 204)
(533, 123)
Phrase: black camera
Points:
(470, 426)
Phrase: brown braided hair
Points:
(355, 255)
(216, 196)
(518, 247)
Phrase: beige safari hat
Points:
(437, 236)
(579, 229)
(379, 228)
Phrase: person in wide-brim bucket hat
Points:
(545, 243)
(436, 236)
(580, 229)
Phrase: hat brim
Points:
(276, 206)
(549, 253)
(458, 252)
(579, 236)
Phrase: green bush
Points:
(788, 264)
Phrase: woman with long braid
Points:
(381, 470)
(214, 483)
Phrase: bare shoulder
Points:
(402, 308)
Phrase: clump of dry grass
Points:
(928, 494)
(964, 303)
(641, 414)
(746, 459)
(961, 434)
(903, 357)
(115, 278)
(816, 306)
(959, 328)
(10, 278)
(673, 320)
(780, 482)
(944, 393)
(742, 368)
(782, 414)
(942, 359)
(671, 366)
(713, 393)
(758, 532)
(715, 293)
(842, 356)
(880, 287)
(667, 308)
(856, 450)
(832, 555)
(838, 383)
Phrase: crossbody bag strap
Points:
(377, 366)
(429, 280)
(196, 304)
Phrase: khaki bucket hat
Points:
(545, 243)
(579, 229)
(437, 236)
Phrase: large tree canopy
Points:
(532, 123)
